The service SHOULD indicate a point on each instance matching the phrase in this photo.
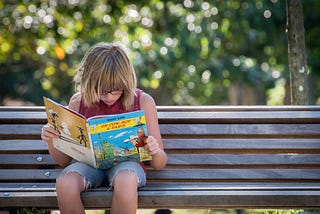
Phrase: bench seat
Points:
(219, 157)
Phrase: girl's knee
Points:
(70, 182)
(126, 179)
(125, 187)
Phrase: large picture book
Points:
(100, 141)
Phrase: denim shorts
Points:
(97, 178)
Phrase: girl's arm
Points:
(154, 142)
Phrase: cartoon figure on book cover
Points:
(65, 128)
(139, 143)
(82, 138)
(53, 119)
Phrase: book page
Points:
(72, 127)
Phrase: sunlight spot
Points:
(236, 62)
(41, 50)
(191, 69)
(163, 50)
(205, 77)
(276, 74)
(205, 6)
(188, 3)
(106, 19)
(267, 14)
(300, 88)
(157, 74)
(301, 70)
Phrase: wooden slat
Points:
(26, 159)
(23, 146)
(22, 108)
(236, 108)
(235, 174)
(249, 160)
(234, 130)
(20, 175)
(179, 199)
(182, 174)
(226, 199)
(20, 131)
(31, 186)
(241, 143)
(14, 117)
(240, 117)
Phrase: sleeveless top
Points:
(100, 108)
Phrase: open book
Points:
(100, 141)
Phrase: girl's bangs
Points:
(112, 82)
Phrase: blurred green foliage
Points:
(187, 52)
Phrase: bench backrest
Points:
(204, 145)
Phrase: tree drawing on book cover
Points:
(103, 149)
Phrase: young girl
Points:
(107, 85)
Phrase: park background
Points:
(188, 52)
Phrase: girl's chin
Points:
(108, 103)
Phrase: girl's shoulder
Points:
(146, 100)
(75, 101)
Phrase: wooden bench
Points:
(218, 157)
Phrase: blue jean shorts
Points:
(97, 178)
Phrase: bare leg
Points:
(125, 196)
(69, 186)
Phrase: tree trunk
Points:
(296, 54)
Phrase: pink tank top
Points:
(101, 108)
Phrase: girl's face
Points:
(110, 97)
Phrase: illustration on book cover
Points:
(118, 139)
(78, 135)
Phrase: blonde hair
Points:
(106, 67)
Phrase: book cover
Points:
(101, 141)
(118, 138)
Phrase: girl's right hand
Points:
(48, 133)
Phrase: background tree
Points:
(185, 52)
(296, 54)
